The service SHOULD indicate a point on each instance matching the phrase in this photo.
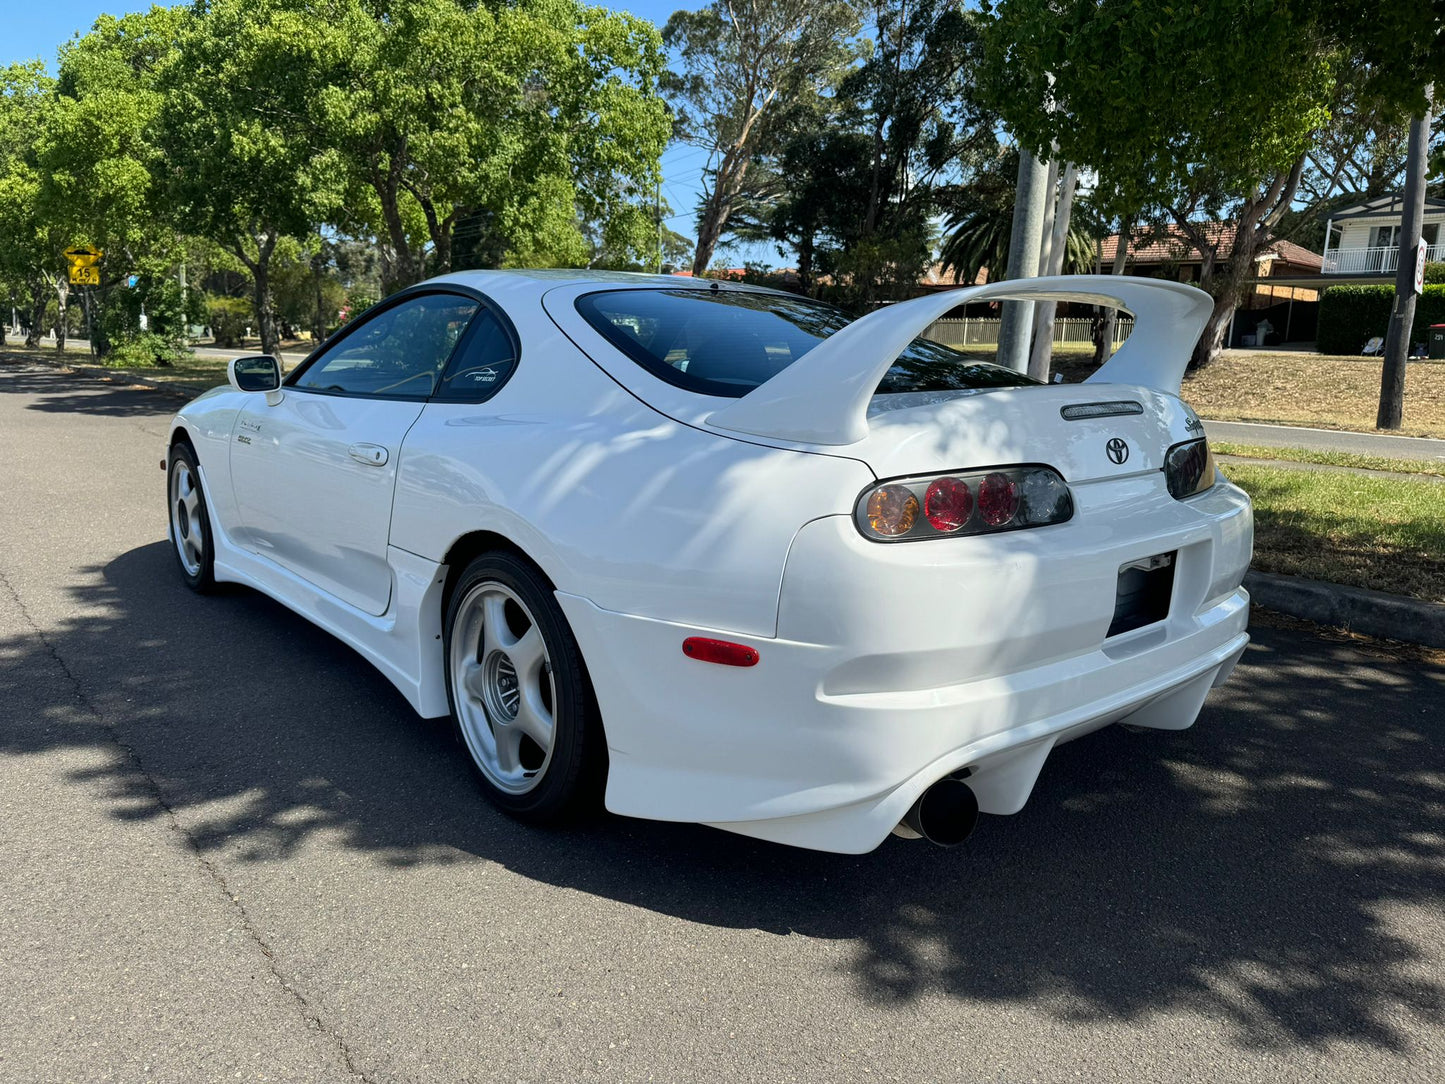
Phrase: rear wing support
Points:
(822, 398)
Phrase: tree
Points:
(30, 248)
(1184, 114)
(237, 165)
(747, 66)
(496, 127)
(98, 161)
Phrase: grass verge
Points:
(1387, 534)
(1434, 467)
(1314, 390)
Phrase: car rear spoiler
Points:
(822, 398)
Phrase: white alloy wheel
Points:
(186, 518)
(189, 523)
(503, 687)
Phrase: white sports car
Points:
(722, 555)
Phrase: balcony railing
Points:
(1378, 260)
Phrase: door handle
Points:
(373, 455)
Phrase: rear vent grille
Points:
(1100, 410)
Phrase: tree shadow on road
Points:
(84, 394)
(1275, 866)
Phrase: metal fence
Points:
(984, 331)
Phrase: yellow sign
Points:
(84, 275)
(81, 256)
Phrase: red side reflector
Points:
(723, 652)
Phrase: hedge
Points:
(1351, 315)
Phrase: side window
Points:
(482, 364)
(397, 354)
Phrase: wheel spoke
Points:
(192, 502)
(495, 634)
(509, 743)
(473, 680)
(533, 719)
(527, 655)
(192, 543)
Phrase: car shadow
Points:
(1268, 867)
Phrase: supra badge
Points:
(1118, 450)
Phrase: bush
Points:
(1351, 315)
(228, 317)
(143, 350)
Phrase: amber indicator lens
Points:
(892, 510)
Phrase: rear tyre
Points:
(519, 694)
(190, 525)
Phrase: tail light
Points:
(982, 502)
(1189, 468)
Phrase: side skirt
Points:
(404, 643)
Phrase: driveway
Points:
(229, 851)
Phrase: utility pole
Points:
(1402, 316)
(1023, 259)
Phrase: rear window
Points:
(727, 342)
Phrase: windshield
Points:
(727, 342)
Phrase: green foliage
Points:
(145, 349)
(1351, 315)
(1163, 102)
(519, 120)
(1434, 273)
(228, 318)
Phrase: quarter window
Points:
(397, 354)
(482, 363)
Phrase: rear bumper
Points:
(897, 665)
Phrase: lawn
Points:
(1382, 533)
(1433, 467)
(1314, 390)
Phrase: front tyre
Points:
(190, 526)
(519, 693)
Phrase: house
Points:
(1363, 240)
(1170, 254)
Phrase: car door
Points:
(313, 466)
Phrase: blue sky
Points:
(37, 29)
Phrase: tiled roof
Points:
(1172, 247)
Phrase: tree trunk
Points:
(1043, 351)
(1402, 315)
(1256, 218)
(403, 268)
(62, 301)
(260, 268)
(1105, 346)
(726, 185)
(39, 295)
(318, 272)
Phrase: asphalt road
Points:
(1326, 440)
(228, 851)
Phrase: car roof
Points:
(520, 283)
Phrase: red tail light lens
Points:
(947, 504)
(998, 499)
(983, 502)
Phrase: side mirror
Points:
(257, 372)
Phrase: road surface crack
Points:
(173, 822)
